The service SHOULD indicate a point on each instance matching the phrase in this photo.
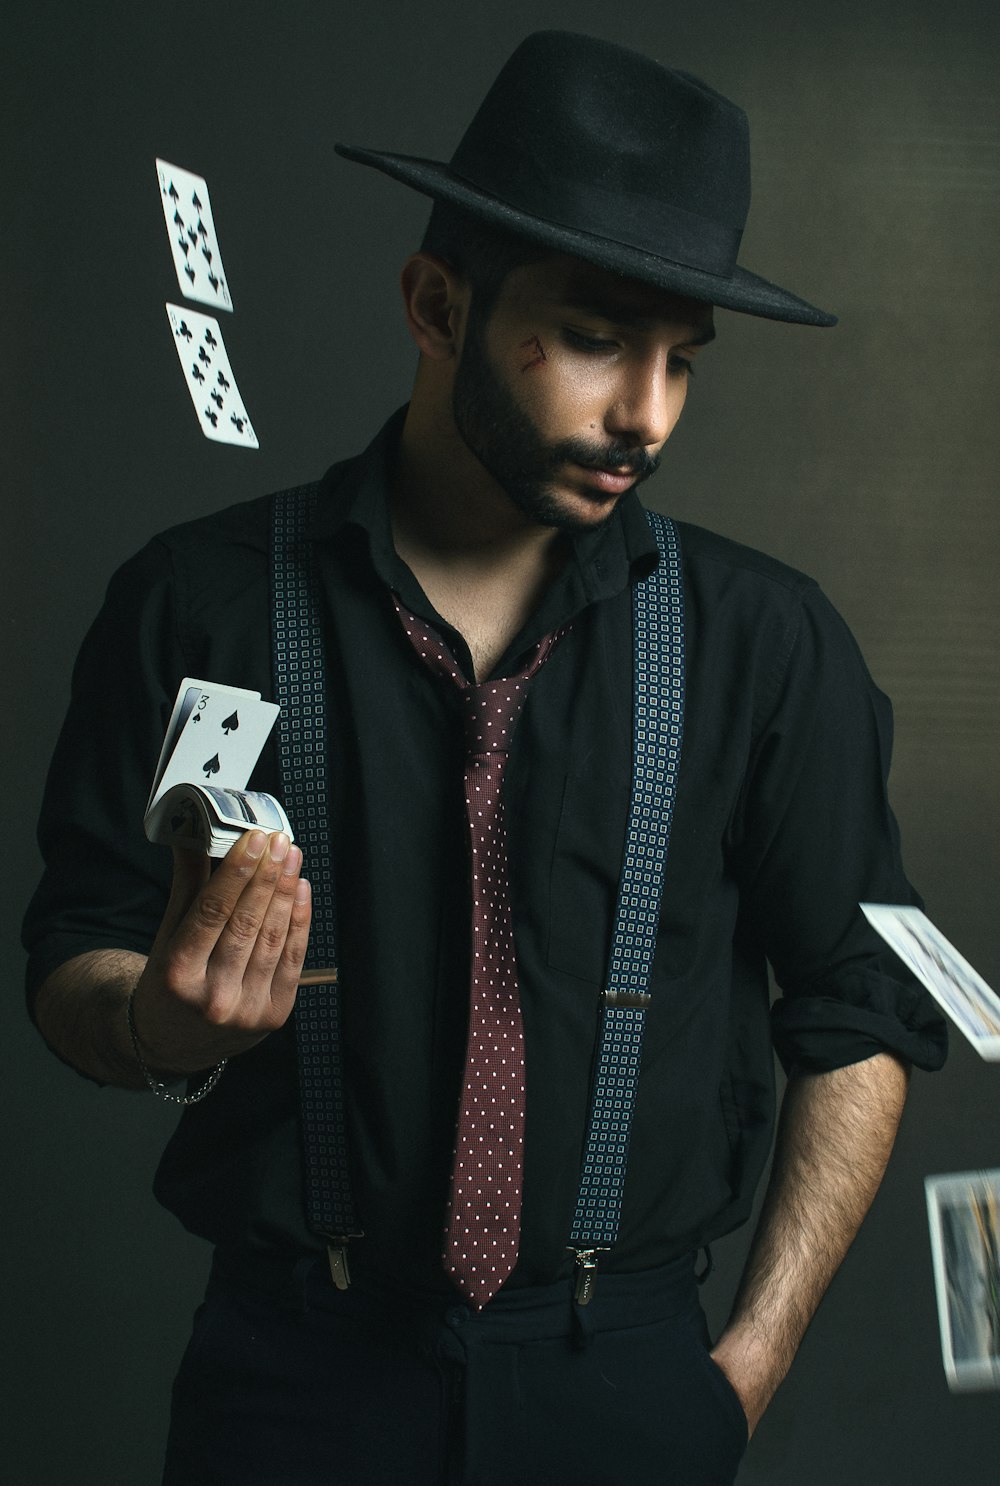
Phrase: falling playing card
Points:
(188, 215)
(958, 989)
(964, 1213)
(209, 377)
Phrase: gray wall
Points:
(865, 455)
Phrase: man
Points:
(488, 551)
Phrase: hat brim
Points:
(743, 291)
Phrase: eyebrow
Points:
(616, 315)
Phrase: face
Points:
(569, 390)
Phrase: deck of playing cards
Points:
(958, 989)
(213, 740)
(965, 1241)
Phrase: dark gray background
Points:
(865, 455)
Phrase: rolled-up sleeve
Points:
(817, 836)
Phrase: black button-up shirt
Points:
(781, 826)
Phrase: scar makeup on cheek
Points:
(535, 345)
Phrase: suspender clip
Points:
(610, 997)
(336, 1250)
(586, 1274)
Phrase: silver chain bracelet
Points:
(154, 1083)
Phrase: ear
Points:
(435, 298)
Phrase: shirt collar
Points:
(601, 563)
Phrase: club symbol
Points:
(231, 723)
(216, 398)
(238, 421)
(210, 338)
(204, 356)
(212, 417)
(199, 376)
(220, 379)
(212, 767)
(185, 330)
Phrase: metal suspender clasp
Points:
(586, 1274)
(336, 1249)
(610, 997)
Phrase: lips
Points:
(611, 481)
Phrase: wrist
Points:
(157, 1080)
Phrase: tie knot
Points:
(491, 712)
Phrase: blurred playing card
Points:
(209, 377)
(187, 212)
(965, 1241)
(951, 980)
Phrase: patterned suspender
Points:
(657, 728)
(658, 711)
(300, 691)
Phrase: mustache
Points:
(623, 458)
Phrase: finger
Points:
(285, 981)
(198, 933)
(256, 926)
(274, 928)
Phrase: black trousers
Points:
(289, 1382)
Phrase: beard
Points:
(509, 446)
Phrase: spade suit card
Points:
(963, 1209)
(187, 212)
(958, 989)
(213, 740)
(209, 377)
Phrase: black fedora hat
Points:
(594, 150)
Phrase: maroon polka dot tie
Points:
(483, 1221)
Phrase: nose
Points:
(646, 404)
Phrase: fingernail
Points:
(302, 890)
(279, 847)
(256, 842)
(293, 861)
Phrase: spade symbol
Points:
(196, 201)
(189, 271)
(212, 767)
(230, 723)
(173, 193)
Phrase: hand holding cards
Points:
(214, 738)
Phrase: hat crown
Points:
(567, 107)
